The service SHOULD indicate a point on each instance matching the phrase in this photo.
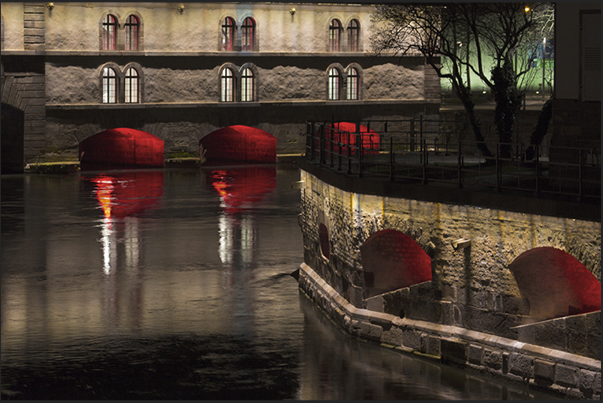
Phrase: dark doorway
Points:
(12, 140)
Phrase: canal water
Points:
(175, 284)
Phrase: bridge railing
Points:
(404, 155)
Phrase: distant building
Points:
(182, 71)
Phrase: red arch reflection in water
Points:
(121, 147)
(240, 188)
(239, 143)
(122, 194)
(555, 283)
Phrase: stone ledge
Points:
(511, 359)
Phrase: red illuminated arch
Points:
(555, 283)
(122, 147)
(393, 260)
(370, 138)
(239, 143)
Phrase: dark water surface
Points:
(175, 285)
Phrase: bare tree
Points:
(437, 32)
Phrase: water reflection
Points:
(122, 196)
(240, 189)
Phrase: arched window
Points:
(132, 31)
(227, 86)
(353, 34)
(334, 35)
(109, 32)
(334, 84)
(247, 85)
(248, 34)
(228, 29)
(132, 86)
(352, 83)
(109, 86)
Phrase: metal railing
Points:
(412, 150)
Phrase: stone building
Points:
(181, 71)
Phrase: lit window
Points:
(228, 28)
(227, 86)
(132, 29)
(131, 86)
(247, 85)
(353, 29)
(334, 78)
(109, 86)
(334, 35)
(248, 34)
(352, 86)
(109, 32)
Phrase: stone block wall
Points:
(471, 288)
(571, 375)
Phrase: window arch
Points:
(335, 35)
(109, 32)
(228, 33)
(334, 84)
(109, 85)
(248, 38)
(131, 86)
(353, 83)
(227, 85)
(132, 32)
(353, 36)
(247, 85)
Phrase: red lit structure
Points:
(346, 133)
(555, 283)
(239, 143)
(393, 260)
(122, 194)
(121, 147)
(242, 187)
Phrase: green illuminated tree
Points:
(492, 32)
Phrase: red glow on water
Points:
(240, 188)
(122, 147)
(555, 283)
(126, 193)
(239, 143)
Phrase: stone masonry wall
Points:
(72, 84)
(198, 27)
(471, 288)
(571, 375)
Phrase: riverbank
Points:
(70, 166)
(569, 375)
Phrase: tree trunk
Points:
(465, 96)
(541, 128)
(508, 102)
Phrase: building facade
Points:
(181, 71)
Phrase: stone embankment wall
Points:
(471, 312)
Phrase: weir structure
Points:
(459, 275)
